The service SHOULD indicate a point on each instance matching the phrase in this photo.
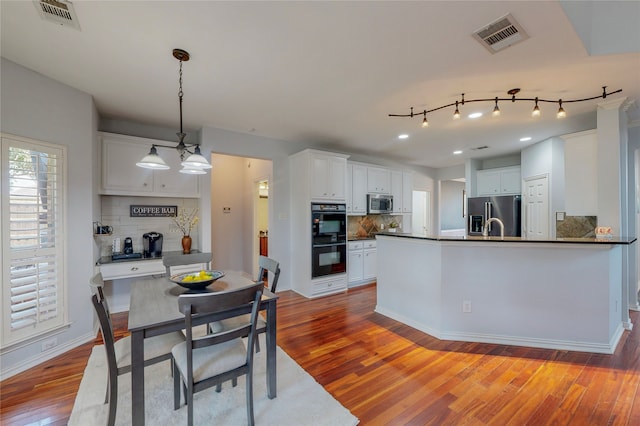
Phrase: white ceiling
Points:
(329, 73)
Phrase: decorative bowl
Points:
(196, 280)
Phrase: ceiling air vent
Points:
(478, 148)
(500, 34)
(59, 11)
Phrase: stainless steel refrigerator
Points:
(504, 207)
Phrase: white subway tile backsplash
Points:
(116, 213)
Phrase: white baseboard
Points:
(604, 348)
(45, 356)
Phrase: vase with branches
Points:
(186, 220)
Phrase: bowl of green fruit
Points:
(196, 280)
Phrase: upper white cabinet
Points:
(378, 180)
(121, 176)
(396, 190)
(402, 191)
(499, 181)
(407, 192)
(358, 189)
(328, 177)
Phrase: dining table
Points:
(153, 311)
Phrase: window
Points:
(33, 290)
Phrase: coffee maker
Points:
(152, 243)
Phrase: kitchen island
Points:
(562, 294)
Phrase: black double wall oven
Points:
(328, 239)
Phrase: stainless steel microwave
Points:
(379, 204)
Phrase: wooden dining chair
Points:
(266, 265)
(206, 361)
(170, 260)
(156, 349)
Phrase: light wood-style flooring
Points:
(387, 373)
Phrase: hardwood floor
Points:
(387, 373)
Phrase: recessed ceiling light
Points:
(403, 136)
(475, 115)
(457, 152)
(525, 139)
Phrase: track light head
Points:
(425, 122)
(536, 110)
(496, 110)
(561, 112)
(456, 113)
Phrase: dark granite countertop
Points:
(611, 240)
(107, 259)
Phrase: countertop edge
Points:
(517, 240)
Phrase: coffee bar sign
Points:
(153, 211)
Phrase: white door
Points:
(536, 211)
(421, 208)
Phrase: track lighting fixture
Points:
(496, 110)
(193, 162)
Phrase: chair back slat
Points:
(169, 260)
(208, 304)
(100, 306)
(267, 264)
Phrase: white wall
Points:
(227, 228)
(37, 107)
(245, 145)
(581, 173)
(451, 205)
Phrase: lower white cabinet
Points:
(141, 268)
(131, 269)
(361, 262)
(323, 286)
(369, 266)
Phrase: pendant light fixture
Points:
(195, 163)
(496, 110)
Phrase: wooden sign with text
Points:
(153, 211)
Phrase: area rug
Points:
(300, 401)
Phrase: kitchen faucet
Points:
(485, 231)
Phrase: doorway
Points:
(235, 194)
(260, 221)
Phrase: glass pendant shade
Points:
(196, 160)
(190, 170)
(153, 161)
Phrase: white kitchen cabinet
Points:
(329, 177)
(361, 262)
(407, 192)
(349, 201)
(323, 287)
(511, 181)
(378, 180)
(355, 261)
(396, 190)
(402, 191)
(131, 269)
(312, 173)
(369, 266)
(359, 189)
(499, 181)
(121, 176)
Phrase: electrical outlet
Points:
(466, 306)
(48, 344)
